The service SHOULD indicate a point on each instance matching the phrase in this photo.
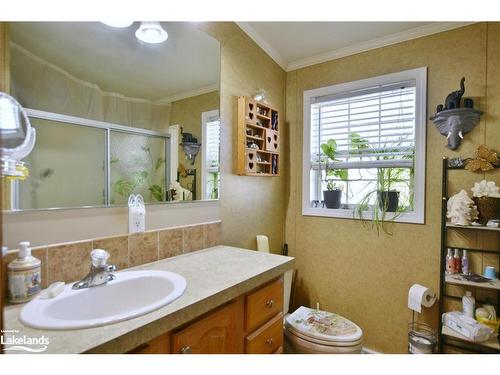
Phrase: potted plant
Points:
(333, 193)
(383, 201)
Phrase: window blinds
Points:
(381, 119)
(212, 146)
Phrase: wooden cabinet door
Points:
(159, 345)
(219, 332)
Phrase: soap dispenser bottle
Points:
(24, 275)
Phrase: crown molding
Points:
(188, 94)
(414, 33)
(387, 40)
(263, 44)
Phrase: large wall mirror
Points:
(116, 114)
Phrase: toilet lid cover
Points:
(323, 325)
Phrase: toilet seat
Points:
(315, 331)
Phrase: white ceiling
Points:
(115, 60)
(295, 45)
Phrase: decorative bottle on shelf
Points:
(450, 263)
(457, 261)
(465, 263)
(468, 304)
(274, 120)
(24, 275)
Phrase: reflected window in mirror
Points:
(211, 156)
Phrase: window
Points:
(375, 131)
(210, 156)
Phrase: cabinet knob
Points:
(186, 350)
(270, 303)
(269, 342)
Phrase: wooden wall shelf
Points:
(258, 148)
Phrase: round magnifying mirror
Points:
(14, 123)
(17, 137)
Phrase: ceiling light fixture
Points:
(121, 24)
(151, 32)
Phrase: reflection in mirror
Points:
(66, 167)
(111, 113)
(17, 138)
(137, 167)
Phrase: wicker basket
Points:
(488, 207)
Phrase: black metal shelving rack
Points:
(449, 339)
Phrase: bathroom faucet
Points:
(100, 272)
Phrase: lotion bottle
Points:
(24, 275)
(468, 304)
(457, 261)
(449, 263)
(465, 263)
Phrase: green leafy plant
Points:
(372, 209)
(376, 201)
(126, 186)
(330, 150)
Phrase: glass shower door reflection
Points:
(137, 166)
(67, 167)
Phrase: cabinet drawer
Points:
(267, 339)
(263, 304)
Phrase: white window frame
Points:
(420, 76)
(205, 118)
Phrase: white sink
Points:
(131, 294)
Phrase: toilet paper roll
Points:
(262, 243)
(419, 296)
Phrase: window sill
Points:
(407, 217)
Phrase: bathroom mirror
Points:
(112, 113)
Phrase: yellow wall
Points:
(249, 205)
(187, 113)
(348, 269)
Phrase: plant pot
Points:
(388, 201)
(332, 198)
(488, 207)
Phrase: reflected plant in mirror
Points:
(103, 134)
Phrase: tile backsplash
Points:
(71, 261)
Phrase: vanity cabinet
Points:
(251, 323)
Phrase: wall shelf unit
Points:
(447, 337)
(258, 147)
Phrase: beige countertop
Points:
(214, 276)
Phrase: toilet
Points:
(311, 331)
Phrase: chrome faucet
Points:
(100, 272)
